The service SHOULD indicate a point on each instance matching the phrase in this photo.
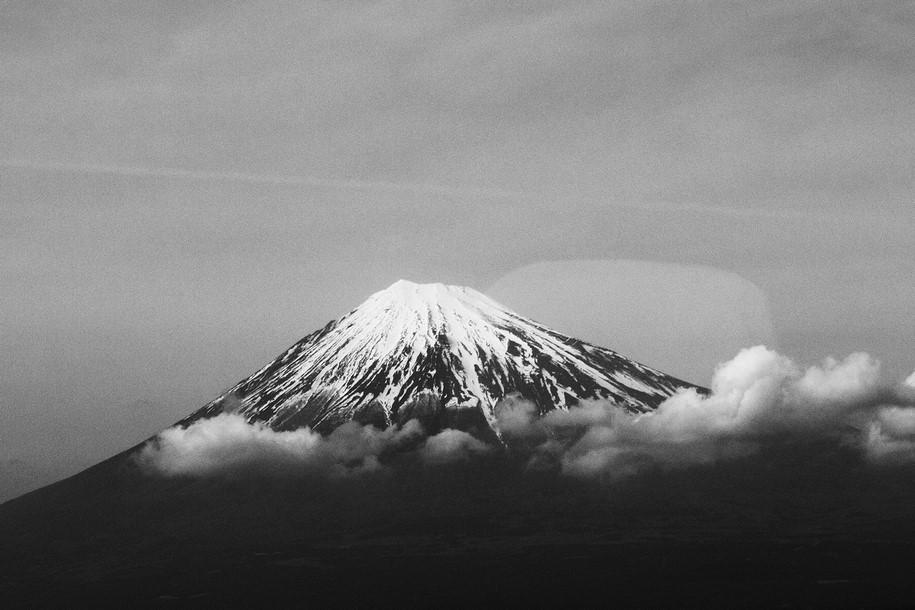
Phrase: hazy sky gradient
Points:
(186, 188)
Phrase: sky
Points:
(188, 188)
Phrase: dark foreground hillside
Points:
(791, 529)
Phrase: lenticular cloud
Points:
(758, 400)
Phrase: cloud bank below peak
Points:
(760, 401)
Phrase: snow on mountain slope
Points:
(429, 346)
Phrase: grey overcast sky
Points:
(188, 187)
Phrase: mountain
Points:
(792, 526)
(444, 354)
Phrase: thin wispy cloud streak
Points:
(268, 179)
(394, 187)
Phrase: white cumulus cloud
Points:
(759, 398)
(228, 443)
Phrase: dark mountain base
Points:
(733, 574)
(774, 531)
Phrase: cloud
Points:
(272, 179)
(891, 434)
(452, 446)
(375, 186)
(228, 445)
(760, 400)
(682, 319)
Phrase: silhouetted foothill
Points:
(427, 409)
(371, 414)
(470, 419)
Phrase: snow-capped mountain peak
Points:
(444, 348)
